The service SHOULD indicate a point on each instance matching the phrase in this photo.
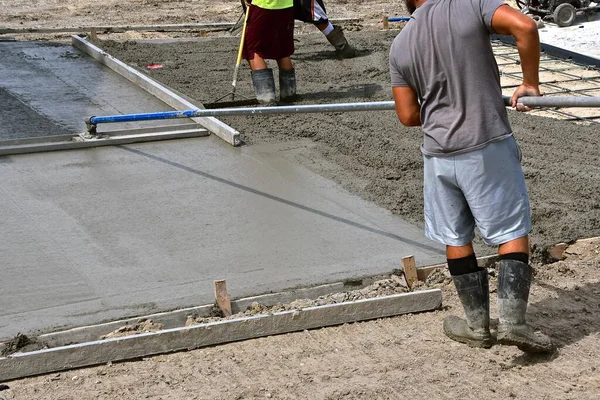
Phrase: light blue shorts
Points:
(483, 188)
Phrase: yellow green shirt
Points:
(273, 4)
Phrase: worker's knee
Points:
(519, 245)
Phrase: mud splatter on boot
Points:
(514, 282)
(264, 86)
(473, 291)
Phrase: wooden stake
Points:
(222, 297)
(410, 270)
(386, 23)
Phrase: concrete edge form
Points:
(177, 318)
(164, 94)
(71, 142)
(193, 337)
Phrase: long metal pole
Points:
(92, 122)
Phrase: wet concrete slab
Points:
(99, 234)
(50, 88)
(94, 235)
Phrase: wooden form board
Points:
(164, 94)
(192, 337)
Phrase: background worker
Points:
(270, 36)
(314, 12)
(445, 79)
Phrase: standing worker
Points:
(270, 36)
(446, 80)
(314, 12)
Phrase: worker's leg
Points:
(324, 26)
(287, 80)
(257, 63)
(519, 245)
(262, 80)
(269, 35)
(335, 36)
(494, 186)
(285, 64)
(449, 221)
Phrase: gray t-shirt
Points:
(444, 54)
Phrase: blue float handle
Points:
(142, 117)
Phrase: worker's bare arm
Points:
(407, 105)
(508, 21)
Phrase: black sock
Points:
(523, 257)
(462, 266)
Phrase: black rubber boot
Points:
(287, 85)
(514, 281)
(473, 291)
(264, 85)
(338, 40)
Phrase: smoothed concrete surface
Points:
(50, 88)
(98, 234)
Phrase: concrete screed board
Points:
(93, 235)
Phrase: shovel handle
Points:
(241, 48)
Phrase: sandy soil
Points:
(77, 13)
(402, 357)
(378, 158)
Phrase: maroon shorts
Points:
(269, 33)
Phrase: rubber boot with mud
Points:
(264, 86)
(287, 85)
(514, 281)
(338, 40)
(473, 291)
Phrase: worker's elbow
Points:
(526, 29)
(409, 119)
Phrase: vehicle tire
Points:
(564, 14)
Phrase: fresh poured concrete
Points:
(92, 235)
(49, 88)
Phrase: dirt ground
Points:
(373, 156)
(394, 358)
(77, 13)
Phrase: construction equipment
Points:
(562, 11)
(533, 101)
